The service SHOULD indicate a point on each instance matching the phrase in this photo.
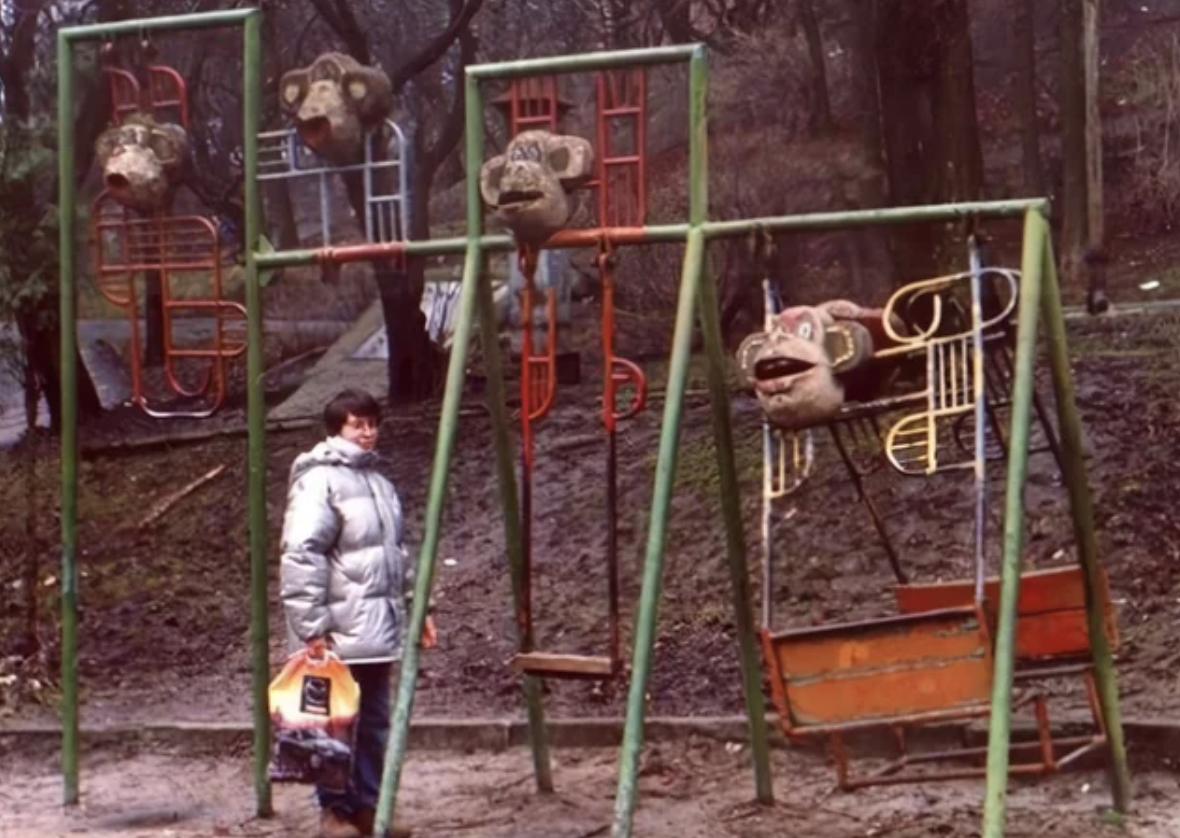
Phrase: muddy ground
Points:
(165, 604)
(697, 789)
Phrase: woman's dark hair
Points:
(353, 402)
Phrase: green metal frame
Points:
(250, 21)
(697, 298)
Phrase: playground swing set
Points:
(934, 661)
(949, 655)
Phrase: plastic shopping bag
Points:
(314, 703)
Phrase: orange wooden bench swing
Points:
(932, 663)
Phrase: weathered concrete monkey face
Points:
(334, 103)
(791, 371)
(142, 162)
(529, 184)
(815, 358)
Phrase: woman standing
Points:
(346, 586)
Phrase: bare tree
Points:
(821, 114)
(1024, 93)
(411, 363)
(1096, 300)
(28, 282)
(929, 125)
(1073, 141)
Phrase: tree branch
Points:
(15, 65)
(338, 15)
(438, 47)
(452, 130)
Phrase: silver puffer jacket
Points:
(344, 572)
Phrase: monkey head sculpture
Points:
(814, 359)
(142, 162)
(529, 184)
(334, 103)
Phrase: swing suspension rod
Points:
(618, 373)
(538, 389)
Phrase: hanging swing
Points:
(933, 662)
(621, 199)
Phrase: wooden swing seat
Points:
(553, 665)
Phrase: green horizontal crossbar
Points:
(102, 31)
(670, 233)
(924, 213)
(583, 63)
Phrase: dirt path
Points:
(688, 790)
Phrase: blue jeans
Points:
(371, 735)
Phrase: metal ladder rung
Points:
(910, 432)
(907, 446)
(177, 352)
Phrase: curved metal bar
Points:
(936, 286)
(159, 77)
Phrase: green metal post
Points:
(653, 560)
(999, 731)
(69, 420)
(447, 425)
(735, 538)
(66, 199)
(1082, 510)
(698, 141)
(731, 505)
(510, 503)
(448, 422)
(505, 455)
(256, 415)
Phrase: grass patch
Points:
(696, 464)
(698, 374)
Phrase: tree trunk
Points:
(676, 17)
(31, 643)
(871, 243)
(865, 78)
(41, 332)
(821, 105)
(282, 215)
(409, 367)
(1074, 200)
(929, 127)
(153, 319)
(1095, 260)
(281, 209)
(1024, 94)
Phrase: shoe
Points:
(365, 821)
(335, 825)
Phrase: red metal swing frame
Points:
(622, 201)
(124, 245)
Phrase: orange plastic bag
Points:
(314, 705)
